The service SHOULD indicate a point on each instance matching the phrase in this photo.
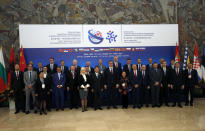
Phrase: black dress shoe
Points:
(191, 104)
(115, 107)
(35, 111)
(49, 110)
(153, 106)
(179, 105)
(147, 105)
(86, 109)
(40, 113)
(100, 108)
(133, 107)
(45, 112)
(95, 109)
(186, 104)
(27, 112)
(173, 105)
(108, 107)
(139, 107)
(167, 105)
(16, 112)
(57, 109)
(62, 109)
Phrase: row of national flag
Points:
(5, 79)
(196, 63)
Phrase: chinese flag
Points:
(22, 60)
(11, 65)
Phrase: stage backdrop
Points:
(91, 42)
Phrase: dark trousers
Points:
(59, 97)
(19, 101)
(97, 101)
(177, 94)
(48, 101)
(155, 90)
(164, 94)
(90, 98)
(111, 96)
(187, 90)
(136, 96)
(125, 100)
(74, 97)
(144, 95)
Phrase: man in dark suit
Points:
(149, 66)
(48, 78)
(191, 82)
(101, 66)
(71, 84)
(128, 67)
(77, 68)
(135, 79)
(51, 67)
(172, 65)
(166, 73)
(160, 63)
(155, 75)
(177, 84)
(64, 69)
(139, 64)
(89, 72)
(145, 87)
(40, 68)
(117, 65)
(90, 69)
(111, 85)
(97, 87)
(59, 85)
(17, 87)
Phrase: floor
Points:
(145, 119)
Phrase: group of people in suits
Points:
(135, 83)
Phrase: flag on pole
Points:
(3, 74)
(11, 65)
(22, 60)
(177, 57)
(186, 58)
(196, 64)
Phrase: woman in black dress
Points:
(42, 90)
(84, 84)
(124, 89)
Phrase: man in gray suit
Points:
(155, 81)
(30, 78)
(101, 66)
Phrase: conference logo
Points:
(95, 37)
(111, 37)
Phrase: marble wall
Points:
(189, 14)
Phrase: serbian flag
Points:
(11, 65)
(3, 74)
(22, 60)
(177, 57)
(196, 64)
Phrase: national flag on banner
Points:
(11, 65)
(186, 58)
(22, 60)
(3, 74)
(177, 57)
(196, 64)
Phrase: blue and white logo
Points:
(111, 36)
(95, 37)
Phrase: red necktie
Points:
(135, 73)
(116, 65)
(73, 74)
